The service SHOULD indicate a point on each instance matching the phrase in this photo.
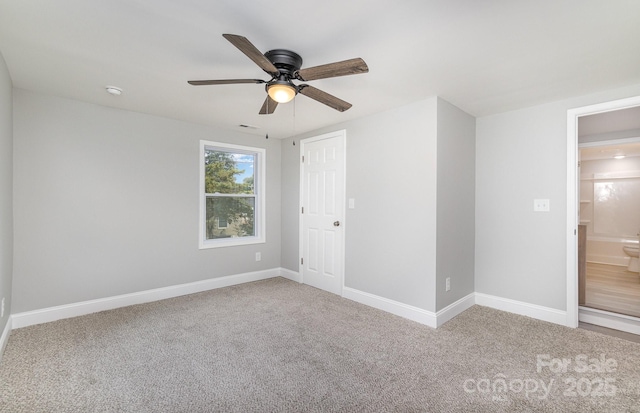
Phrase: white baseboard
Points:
(518, 307)
(46, 315)
(454, 309)
(435, 320)
(419, 315)
(610, 320)
(609, 260)
(290, 275)
(410, 312)
(4, 338)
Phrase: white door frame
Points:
(572, 195)
(340, 133)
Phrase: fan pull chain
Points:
(294, 117)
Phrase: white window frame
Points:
(260, 196)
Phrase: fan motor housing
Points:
(285, 60)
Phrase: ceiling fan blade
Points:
(252, 53)
(324, 97)
(344, 68)
(223, 82)
(269, 106)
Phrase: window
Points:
(231, 195)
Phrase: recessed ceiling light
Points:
(619, 157)
(115, 91)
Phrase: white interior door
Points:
(322, 211)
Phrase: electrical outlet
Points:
(541, 205)
(258, 256)
(2, 308)
(448, 284)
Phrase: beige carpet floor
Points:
(279, 346)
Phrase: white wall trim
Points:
(46, 315)
(609, 320)
(572, 219)
(435, 320)
(608, 260)
(518, 307)
(4, 338)
(410, 312)
(454, 309)
(290, 275)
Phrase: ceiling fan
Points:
(284, 66)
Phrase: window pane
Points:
(232, 195)
(237, 213)
(228, 172)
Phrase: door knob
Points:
(336, 224)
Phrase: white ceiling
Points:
(485, 56)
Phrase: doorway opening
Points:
(592, 209)
(609, 217)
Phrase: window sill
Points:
(230, 242)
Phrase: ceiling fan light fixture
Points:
(284, 66)
(281, 91)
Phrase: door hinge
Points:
(303, 210)
(302, 158)
(301, 261)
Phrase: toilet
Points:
(632, 252)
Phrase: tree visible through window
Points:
(231, 204)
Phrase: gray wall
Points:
(290, 203)
(106, 203)
(522, 155)
(6, 190)
(456, 203)
(391, 174)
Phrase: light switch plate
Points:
(541, 205)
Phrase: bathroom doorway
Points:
(607, 188)
(609, 222)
